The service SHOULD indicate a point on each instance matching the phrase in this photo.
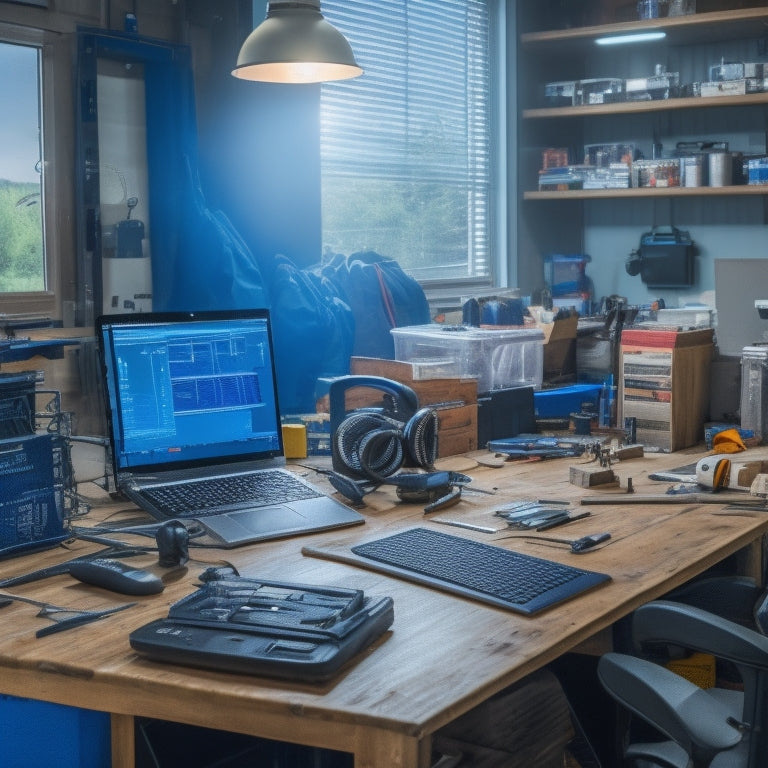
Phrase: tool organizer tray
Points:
(271, 628)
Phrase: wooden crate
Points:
(454, 399)
(456, 430)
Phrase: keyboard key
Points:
(200, 497)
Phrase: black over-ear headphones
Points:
(374, 443)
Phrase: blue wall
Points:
(721, 228)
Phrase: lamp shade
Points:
(295, 44)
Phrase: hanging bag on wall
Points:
(665, 259)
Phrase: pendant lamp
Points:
(295, 44)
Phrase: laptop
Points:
(192, 402)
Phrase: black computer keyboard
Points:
(194, 498)
(481, 571)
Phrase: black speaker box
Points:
(504, 413)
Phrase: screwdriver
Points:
(584, 544)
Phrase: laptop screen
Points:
(189, 389)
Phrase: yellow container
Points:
(295, 441)
(699, 668)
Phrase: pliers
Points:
(72, 617)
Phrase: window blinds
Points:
(421, 111)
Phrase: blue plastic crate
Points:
(563, 401)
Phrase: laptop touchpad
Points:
(235, 526)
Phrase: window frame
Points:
(57, 197)
(501, 218)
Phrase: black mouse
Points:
(116, 575)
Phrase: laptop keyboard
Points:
(485, 572)
(197, 498)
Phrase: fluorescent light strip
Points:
(640, 37)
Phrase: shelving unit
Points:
(694, 28)
(647, 192)
(681, 30)
(661, 105)
(554, 55)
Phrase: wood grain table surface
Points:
(443, 654)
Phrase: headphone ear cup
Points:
(381, 453)
(367, 446)
(421, 440)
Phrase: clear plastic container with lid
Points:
(497, 358)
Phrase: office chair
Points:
(713, 728)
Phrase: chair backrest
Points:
(732, 597)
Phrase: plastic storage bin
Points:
(686, 317)
(497, 358)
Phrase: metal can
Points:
(720, 169)
(692, 170)
(648, 9)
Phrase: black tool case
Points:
(270, 628)
(667, 259)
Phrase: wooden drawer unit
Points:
(664, 385)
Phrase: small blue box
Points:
(563, 401)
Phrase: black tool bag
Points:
(665, 259)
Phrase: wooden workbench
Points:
(443, 654)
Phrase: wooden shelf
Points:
(694, 28)
(640, 192)
(556, 48)
(637, 107)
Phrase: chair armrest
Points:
(664, 621)
(681, 710)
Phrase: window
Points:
(31, 205)
(406, 149)
(22, 254)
